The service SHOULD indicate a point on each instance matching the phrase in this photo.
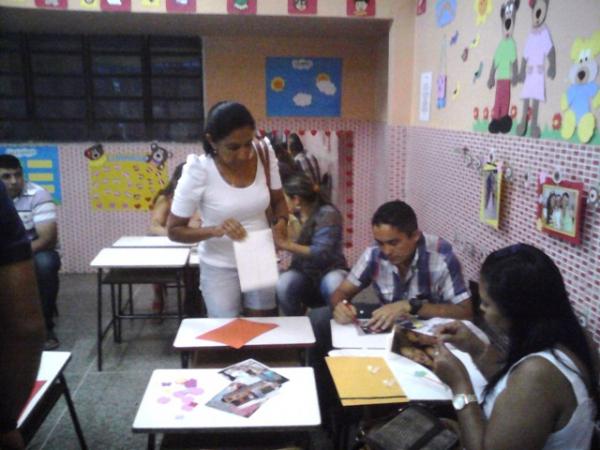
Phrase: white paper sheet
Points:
(256, 260)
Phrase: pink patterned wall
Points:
(84, 232)
(418, 164)
(445, 194)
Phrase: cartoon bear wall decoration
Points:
(533, 73)
(504, 69)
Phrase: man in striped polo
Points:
(38, 213)
(412, 273)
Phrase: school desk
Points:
(294, 408)
(193, 302)
(416, 383)
(148, 242)
(348, 336)
(291, 333)
(128, 266)
(50, 385)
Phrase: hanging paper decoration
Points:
(40, 165)
(302, 6)
(491, 191)
(445, 12)
(454, 38)
(504, 70)
(152, 4)
(181, 6)
(442, 79)
(125, 182)
(421, 7)
(54, 4)
(360, 8)
(583, 96)
(303, 86)
(115, 5)
(538, 47)
(478, 72)
(89, 4)
(241, 6)
(483, 8)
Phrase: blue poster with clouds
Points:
(304, 86)
(40, 166)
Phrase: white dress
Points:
(577, 433)
(202, 188)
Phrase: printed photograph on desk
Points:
(414, 340)
(251, 371)
(241, 398)
(561, 209)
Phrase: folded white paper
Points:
(256, 260)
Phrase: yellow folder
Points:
(364, 381)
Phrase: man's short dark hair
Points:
(10, 162)
(397, 214)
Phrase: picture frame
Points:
(561, 208)
(491, 194)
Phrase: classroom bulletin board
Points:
(458, 42)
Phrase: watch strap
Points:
(459, 401)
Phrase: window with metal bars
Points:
(62, 88)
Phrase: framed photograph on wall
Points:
(561, 209)
(491, 192)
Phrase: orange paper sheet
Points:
(364, 381)
(238, 332)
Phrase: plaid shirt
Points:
(434, 273)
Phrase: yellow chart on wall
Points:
(120, 184)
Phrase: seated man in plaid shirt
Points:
(413, 273)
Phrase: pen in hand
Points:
(351, 310)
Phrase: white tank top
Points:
(577, 433)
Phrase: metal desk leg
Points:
(179, 298)
(72, 412)
(100, 320)
(115, 321)
(185, 360)
(130, 292)
(151, 441)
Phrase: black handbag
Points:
(414, 428)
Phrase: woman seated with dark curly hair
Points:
(543, 392)
(318, 263)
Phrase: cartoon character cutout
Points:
(583, 96)
(504, 69)
(301, 5)
(240, 4)
(360, 8)
(96, 155)
(533, 72)
(483, 8)
(158, 156)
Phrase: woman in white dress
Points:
(542, 393)
(228, 184)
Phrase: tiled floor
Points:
(106, 402)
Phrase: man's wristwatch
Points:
(415, 305)
(459, 401)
